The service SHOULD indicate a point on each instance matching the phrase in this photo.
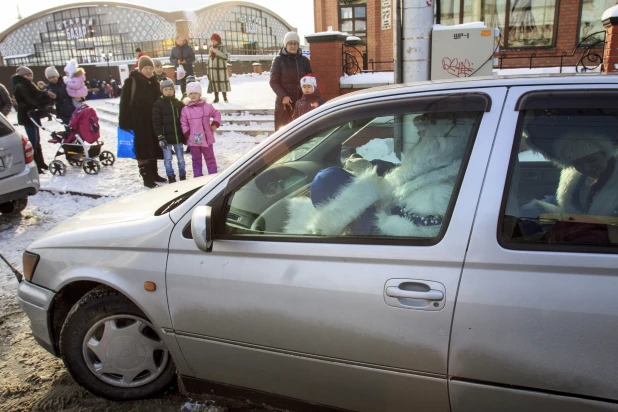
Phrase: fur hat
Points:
(144, 61)
(291, 36)
(71, 67)
(157, 63)
(310, 80)
(167, 83)
(194, 87)
(23, 70)
(216, 38)
(51, 72)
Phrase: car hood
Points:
(129, 208)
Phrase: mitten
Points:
(162, 142)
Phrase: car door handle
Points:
(395, 292)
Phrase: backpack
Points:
(85, 122)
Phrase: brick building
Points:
(540, 33)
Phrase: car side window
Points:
(563, 186)
(387, 176)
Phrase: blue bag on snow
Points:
(126, 141)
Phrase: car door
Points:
(317, 302)
(536, 323)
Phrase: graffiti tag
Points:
(457, 68)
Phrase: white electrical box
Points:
(462, 50)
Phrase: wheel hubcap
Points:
(124, 351)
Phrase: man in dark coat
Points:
(29, 97)
(139, 93)
(287, 69)
(63, 102)
(5, 101)
(183, 54)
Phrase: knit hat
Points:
(23, 70)
(51, 72)
(190, 79)
(157, 63)
(291, 36)
(216, 38)
(194, 87)
(144, 61)
(167, 83)
(310, 80)
(71, 67)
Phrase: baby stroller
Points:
(78, 142)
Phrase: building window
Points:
(353, 18)
(523, 23)
(590, 20)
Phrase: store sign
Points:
(77, 28)
(386, 14)
(250, 24)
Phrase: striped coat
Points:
(218, 80)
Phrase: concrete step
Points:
(249, 129)
(115, 104)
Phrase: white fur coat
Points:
(422, 184)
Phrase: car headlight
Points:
(30, 261)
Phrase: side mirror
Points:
(201, 228)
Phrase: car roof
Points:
(480, 82)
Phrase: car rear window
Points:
(5, 127)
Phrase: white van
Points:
(436, 247)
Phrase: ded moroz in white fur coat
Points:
(410, 200)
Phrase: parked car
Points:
(395, 249)
(19, 177)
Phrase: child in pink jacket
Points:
(76, 81)
(199, 130)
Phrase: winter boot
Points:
(38, 159)
(155, 173)
(183, 177)
(171, 179)
(145, 172)
(216, 98)
(225, 97)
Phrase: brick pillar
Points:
(182, 27)
(610, 53)
(326, 61)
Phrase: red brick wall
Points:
(380, 43)
(326, 67)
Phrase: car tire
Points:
(105, 333)
(14, 206)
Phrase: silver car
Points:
(19, 177)
(436, 247)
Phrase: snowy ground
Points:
(30, 378)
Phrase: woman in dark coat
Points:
(29, 97)
(63, 102)
(139, 93)
(182, 54)
(287, 69)
(218, 79)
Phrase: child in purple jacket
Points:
(199, 130)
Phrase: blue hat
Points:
(327, 183)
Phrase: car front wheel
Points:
(110, 348)
(14, 206)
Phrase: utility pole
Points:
(417, 24)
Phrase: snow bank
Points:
(364, 79)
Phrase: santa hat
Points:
(309, 79)
(71, 67)
(194, 87)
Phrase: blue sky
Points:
(298, 13)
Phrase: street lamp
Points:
(107, 58)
